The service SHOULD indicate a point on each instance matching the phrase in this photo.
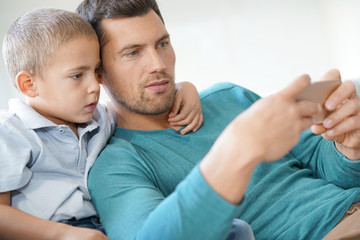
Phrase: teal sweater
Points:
(147, 185)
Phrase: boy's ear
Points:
(25, 83)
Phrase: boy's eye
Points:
(76, 75)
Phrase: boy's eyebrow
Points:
(132, 46)
(77, 68)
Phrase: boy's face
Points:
(68, 90)
(139, 62)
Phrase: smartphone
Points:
(319, 92)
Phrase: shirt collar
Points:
(30, 118)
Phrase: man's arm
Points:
(131, 205)
(326, 162)
(264, 132)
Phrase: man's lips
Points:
(158, 86)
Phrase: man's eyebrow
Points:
(164, 37)
(132, 46)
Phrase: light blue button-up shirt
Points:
(45, 165)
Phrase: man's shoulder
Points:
(228, 90)
(117, 145)
(118, 153)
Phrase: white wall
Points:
(263, 44)
(259, 44)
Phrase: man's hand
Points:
(266, 131)
(273, 125)
(343, 124)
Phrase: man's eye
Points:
(132, 53)
(76, 76)
(163, 44)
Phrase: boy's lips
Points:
(158, 86)
(91, 106)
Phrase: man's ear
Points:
(99, 75)
(26, 85)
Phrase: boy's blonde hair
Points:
(33, 38)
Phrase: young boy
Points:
(49, 143)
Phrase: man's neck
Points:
(136, 121)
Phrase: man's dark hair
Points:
(94, 11)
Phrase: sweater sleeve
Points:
(326, 162)
(132, 207)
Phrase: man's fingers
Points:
(306, 123)
(296, 86)
(343, 92)
(348, 125)
(349, 108)
(332, 74)
(318, 129)
(311, 113)
(311, 109)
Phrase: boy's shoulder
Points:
(8, 118)
(16, 118)
(11, 125)
(105, 112)
(5, 115)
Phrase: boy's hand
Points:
(75, 233)
(186, 109)
(16, 224)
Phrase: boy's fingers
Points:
(190, 126)
(179, 118)
(189, 118)
(175, 108)
(200, 122)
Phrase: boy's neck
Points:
(74, 128)
(57, 121)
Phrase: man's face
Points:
(139, 63)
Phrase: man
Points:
(150, 183)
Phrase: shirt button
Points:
(61, 130)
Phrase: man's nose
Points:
(155, 62)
